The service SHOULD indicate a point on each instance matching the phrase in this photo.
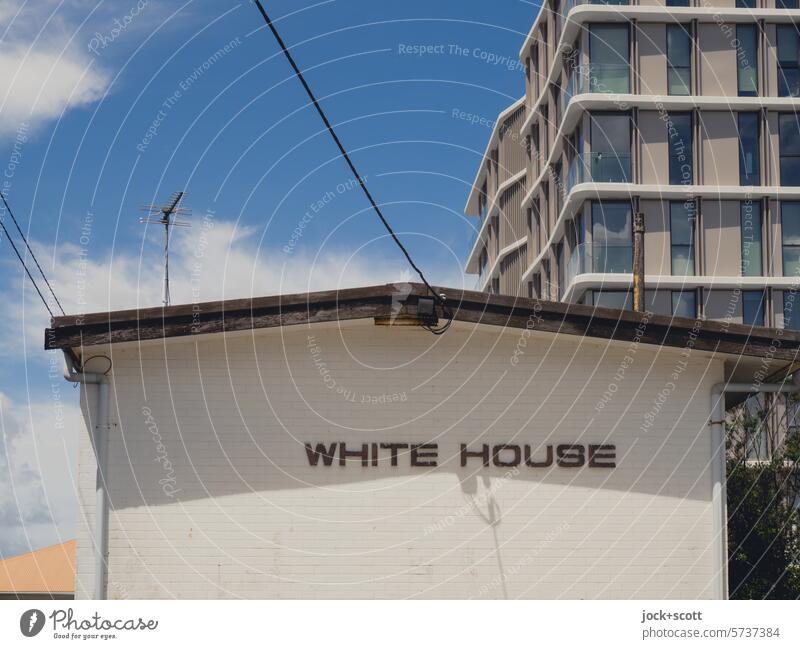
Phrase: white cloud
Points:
(40, 85)
(38, 457)
(45, 71)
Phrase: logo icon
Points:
(31, 622)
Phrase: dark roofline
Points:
(75, 331)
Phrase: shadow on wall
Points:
(234, 416)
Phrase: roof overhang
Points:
(744, 348)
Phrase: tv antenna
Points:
(165, 215)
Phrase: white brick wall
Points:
(252, 519)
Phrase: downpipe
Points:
(719, 503)
(100, 442)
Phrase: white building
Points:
(250, 443)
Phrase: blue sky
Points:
(114, 105)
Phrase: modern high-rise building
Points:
(685, 114)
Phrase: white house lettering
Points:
(568, 456)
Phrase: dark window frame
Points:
(751, 30)
(758, 320)
(592, 86)
(788, 67)
(786, 120)
(680, 295)
(675, 164)
(684, 31)
(795, 247)
(753, 178)
(690, 247)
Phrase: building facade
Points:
(322, 446)
(685, 113)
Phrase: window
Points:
(791, 311)
(790, 229)
(790, 149)
(609, 58)
(681, 157)
(681, 225)
(751, 238)
(611, 147)
(677, 3)
(747, 60)
(745, 4)
(613, 299)
(786, 4)
(753, 308)
(684, 304)
(611, 237)
(788, 61)
(679, 60)
(749, 159)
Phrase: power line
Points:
(33, 281)
(350, 164)
(36, 261)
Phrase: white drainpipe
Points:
(100, 440)
(718, 495)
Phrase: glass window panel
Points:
(786, 4)
(679, 81)
(611, 237)
(684, 304)
(679, 45)
(751, 239)
(788, 61)
(749, 159)
(787, 44)
(745, 4)
(613, 299)
(679, 133)
(788, 82)
(753, 308)
(609, 58)
(679, 60)
(790, 149)
(677, 3)
(790, 134)
(610, 147)
(682, 224)
(747, 58)
(790, 229)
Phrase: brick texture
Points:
(213, 496)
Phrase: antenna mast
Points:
(163, 215)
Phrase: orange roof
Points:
(49, 570)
